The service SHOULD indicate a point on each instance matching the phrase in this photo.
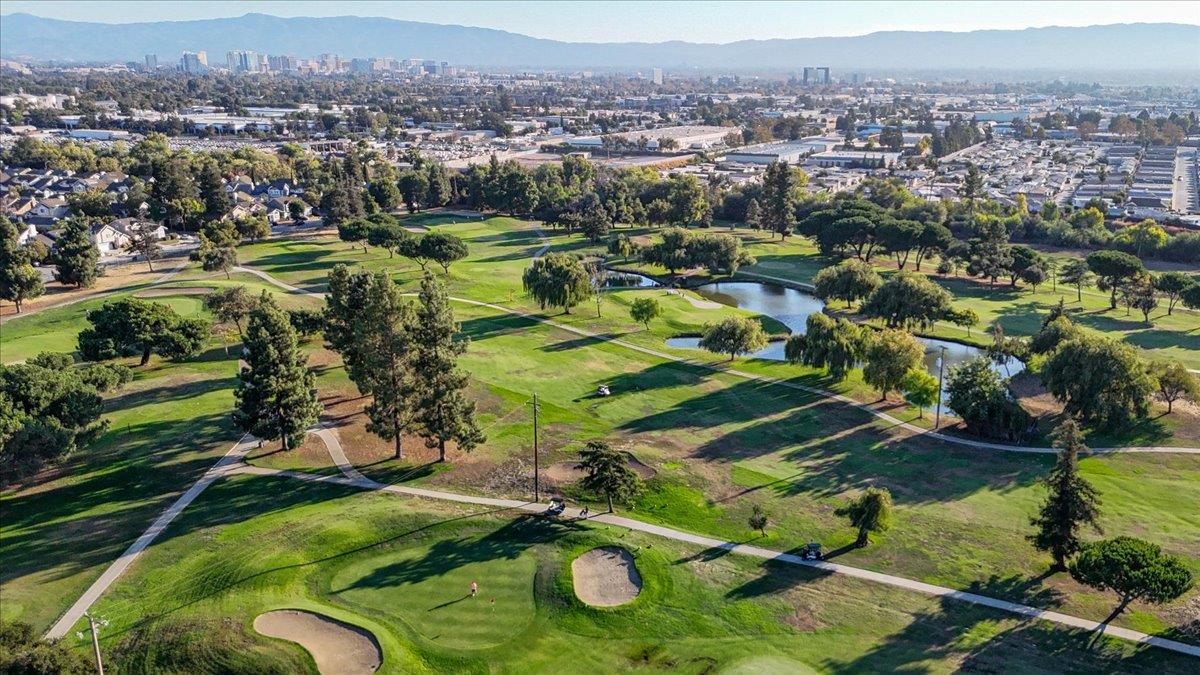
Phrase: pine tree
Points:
(439, 186)
(276, 392)
(779, 199)
(212, 192)
(753, 215)
(19, 281)
(383, 339)
(1072, 501)
(76, 259)
(443, 411)
(343, 314)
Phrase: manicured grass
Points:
(720, 444)
(391, 565)
(1019, 311)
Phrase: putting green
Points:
(428, 588)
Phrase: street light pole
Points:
(941, 369)
(536, 490)
(95, 642)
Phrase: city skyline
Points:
(718, 22)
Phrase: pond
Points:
(615, 279)
(791, 307)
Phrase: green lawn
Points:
(719, 443)
(400, 568)
(1020, 311)
(165, 429)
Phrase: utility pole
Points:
(536, 490)
(941, 369)
(95, 642)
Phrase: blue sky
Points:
(615, 21)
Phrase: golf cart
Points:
(556, 507)
(602, 390)
(812, 551)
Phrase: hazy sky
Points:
(615, 21)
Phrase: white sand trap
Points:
(338, 648)
(606, 577)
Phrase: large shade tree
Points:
(558, 280)
(1133, 569)
(133, 326)
(1099, 380)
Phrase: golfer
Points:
(474, 588)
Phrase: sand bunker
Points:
(570, 471)
(338, 648)
(606, 577)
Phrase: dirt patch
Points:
(570, 471)
(338, 648)
(181, 290)
(606, 577)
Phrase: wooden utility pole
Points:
(95, 643)
(536, 486)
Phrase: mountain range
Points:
(1142, 46)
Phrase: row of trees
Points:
(403, 356)
(386, 232)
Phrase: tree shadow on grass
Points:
(971, 637)
(483, 327)
(579, 342)
(173, 393)
(507, 542)
(231, 502)
(59, 528)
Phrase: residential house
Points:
(114, 236)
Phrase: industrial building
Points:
(853, 159)
(786, 151)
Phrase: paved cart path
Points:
(912, 428)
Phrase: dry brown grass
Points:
(115, 277)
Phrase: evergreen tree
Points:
(343, 313)
(19, 280)
(753, 215)
(779, 199)
(443, 411)
(383, 342)
(1072, 502)
(608, 473)
(217, 203)
(76, 259)
(276, 392)
(439, 192)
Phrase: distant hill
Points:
(1160, 46)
